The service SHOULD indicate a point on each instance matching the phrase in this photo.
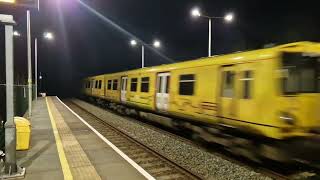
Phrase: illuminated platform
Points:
(63, 147)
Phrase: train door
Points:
(91, 86)
(237, 92)
(228, 96)
(247, 103)
(162, 96)
(124, 87)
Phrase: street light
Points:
(156, 44)
(48, 35)
(133, 42)
(228, 17)
(195, 12)
(16, 33)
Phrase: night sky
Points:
(84, 45)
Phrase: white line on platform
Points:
(123, 155)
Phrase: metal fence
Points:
(20, 105)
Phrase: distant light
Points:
(16, 33)
(133, 42)
(8, 1)
(48, 35)
(40, 77)
(229, 17)
(156, 44)
(195, 12)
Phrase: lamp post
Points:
(47, 36)
(29, 64)
(155, 44)
(195, 12)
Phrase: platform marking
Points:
(123, 155)
(62, 156)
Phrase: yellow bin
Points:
(23, 132)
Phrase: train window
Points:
(168, 84)
(159, 82)
(145, 84)
(228, 84)
(134, 84)
(246, 79)
(100, 84)
(300, 73)
(115, 84)
(109, 84)
(97, 83)
(186, 84)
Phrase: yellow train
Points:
(269, 96)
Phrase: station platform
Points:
(63, 147)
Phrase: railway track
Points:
(280, 173)
(263, 170)
(154, 163)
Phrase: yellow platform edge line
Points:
(62, 156)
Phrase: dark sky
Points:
(85, 45)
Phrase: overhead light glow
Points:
(48, 35)
(156, 44)
(133, 42)
(16, 33)
(229, 17)
(195, 12)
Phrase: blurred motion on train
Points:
(261, 103)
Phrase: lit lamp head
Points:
(48, 35)
(157, 44)
(16, 33)
(229, 17)
(133, 43)
(195, 12)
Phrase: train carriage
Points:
(271, 94)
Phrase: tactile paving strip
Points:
(78, 161)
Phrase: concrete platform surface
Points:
(63, 147)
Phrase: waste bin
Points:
(23, 132)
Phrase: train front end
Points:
(299, 106)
